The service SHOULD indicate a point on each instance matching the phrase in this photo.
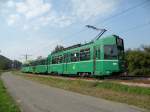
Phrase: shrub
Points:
(143, 71)
(138, 61)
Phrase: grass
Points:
(7, 104)
(137, 96)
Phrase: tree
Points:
(146, 48)
(5, 63)
(138, 60)
(58, 48)
(16, 64)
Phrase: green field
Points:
(6, 102)
(137, 96)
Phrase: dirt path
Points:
(35, 97)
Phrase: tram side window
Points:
(57, 59)
(110, 52)
(36, 63)
(41, 62)
(44, 62)
(49, 61)
(74, 57)
(25, 65)
(32, 64)
(54, 60)
(60, 59)
(66, 57)
(85, 54)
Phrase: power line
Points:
(136, 27)
(116, 15)
(124, 11)
(112, 17)
(123, 31)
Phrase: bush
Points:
(138, 61)
(144, 71)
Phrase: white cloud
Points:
(10, 3)
(13, 18)
(25, 27)
(55, 20)
(36, 14)
(85, 9)
(32, 8)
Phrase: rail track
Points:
(141, 81)
(129, 77)
(113, 77)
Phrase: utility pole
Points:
(26, 56)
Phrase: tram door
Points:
(96, 58)
(65, 62)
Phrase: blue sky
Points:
(35, 27)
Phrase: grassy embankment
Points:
(137, 96)
(7, 104)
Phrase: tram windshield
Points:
(113, 52)
(110, 52)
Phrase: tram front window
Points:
(110, 52)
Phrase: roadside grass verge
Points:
(132, 95)
(7, 104)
